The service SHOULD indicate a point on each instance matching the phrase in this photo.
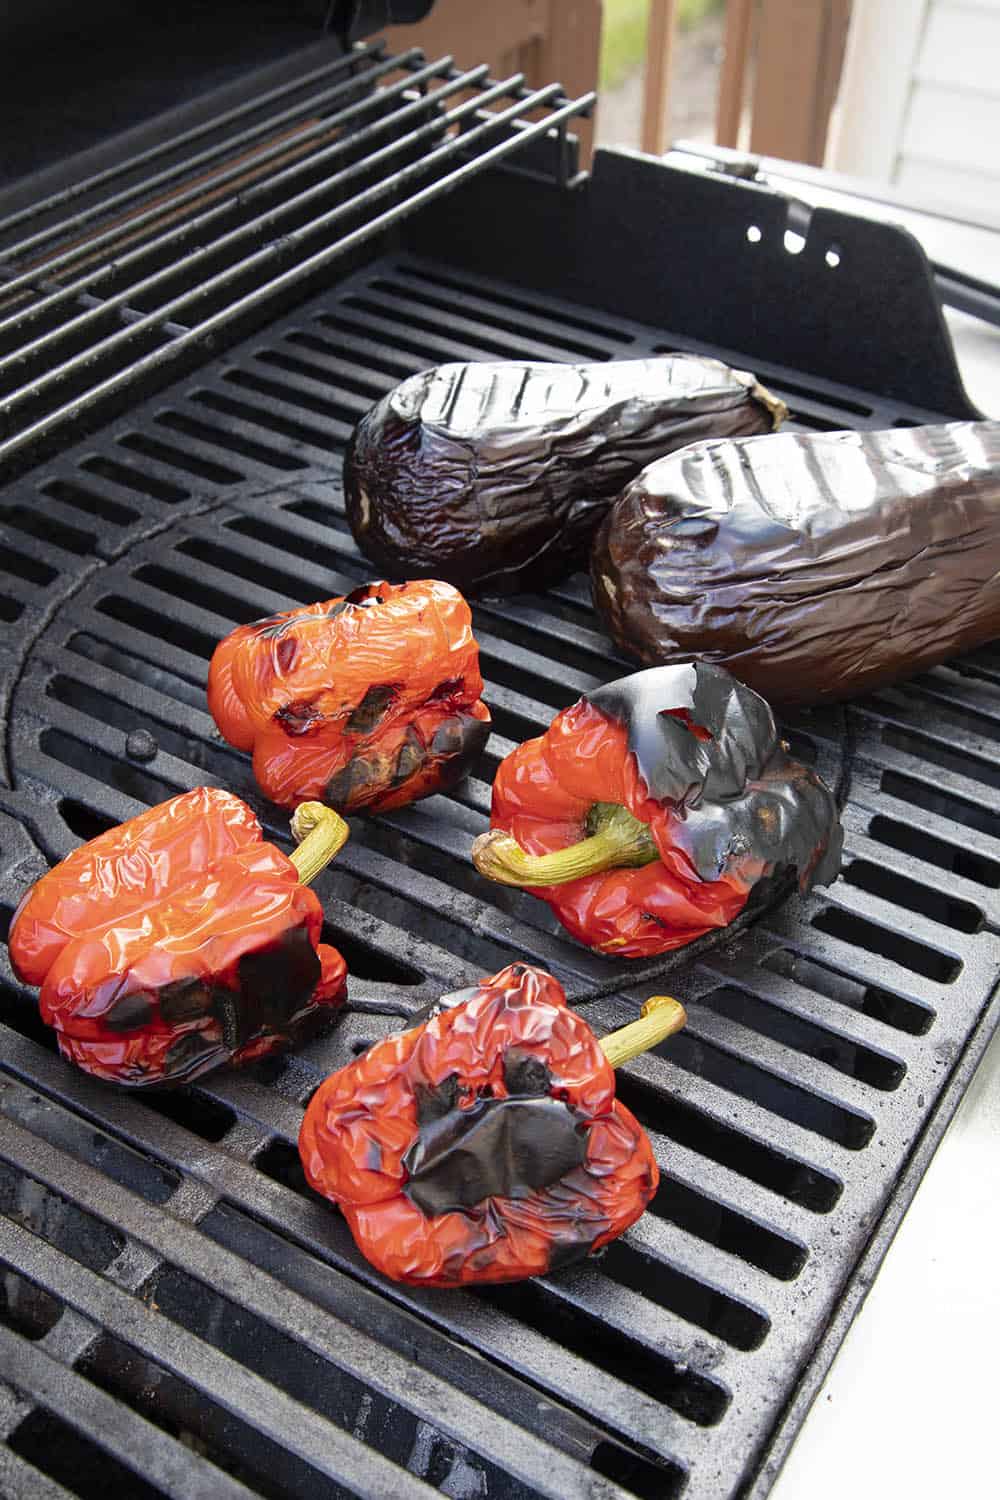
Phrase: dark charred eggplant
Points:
(495, 476)
(814, 567)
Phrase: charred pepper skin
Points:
(366, 702)
(693, 763)
(814, 566)
(176, 943)
(496, 475)
(485, 1145)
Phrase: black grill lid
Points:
(176, 1302)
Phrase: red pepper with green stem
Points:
(182, 940)
(486, 1144)
(651, 809)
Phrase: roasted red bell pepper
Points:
(486, 1144)
(369, 701)
(181, 940)
(650, 809)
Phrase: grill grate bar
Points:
(263, 294)
(899, 721)
(274, 252)
(720, 1186)
(499, 1336)
(845, 1096)
(367, 56)
(480, 314)
(171, 238)
(390, 311)
(938, 791)
(664, 1082)
(973, 691)
(334, 1453)
(967, 903)
(944, 961)
(794, 1000)
(136, 1443)
(22, 1481)
(803, 937)
(312, 438)
(339, 1345)
(732, 1299)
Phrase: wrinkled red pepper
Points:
(181, 940)
(369, 701)
(486, 1144)
(650, 809)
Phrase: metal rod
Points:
(180, 169)
(222, 152)
(72, 291)
(968, 294)
(173, 143)
(163, 357)
(154, 320)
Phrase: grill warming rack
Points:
(122, 280)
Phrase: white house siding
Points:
(920, 101)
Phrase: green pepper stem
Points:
(660, 1017)
(616, 839)
(321, 833)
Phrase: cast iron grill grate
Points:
(177, 1302)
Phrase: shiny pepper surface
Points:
(484, 1145)
(366, 702)
(657, 804)
(174, 943)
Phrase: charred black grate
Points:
(241, 1341)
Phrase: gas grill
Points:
(189, 332)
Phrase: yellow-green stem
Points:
(616, 839)
(321, 833)
(660, 1017)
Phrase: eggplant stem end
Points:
(774, 404)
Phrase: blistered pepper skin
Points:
(175, 943)
(696, 757)
(404, 1138)
(365, 702)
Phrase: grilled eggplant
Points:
(495, 476)
(814, 567)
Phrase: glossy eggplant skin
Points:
(813, 566)
(494, 477)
